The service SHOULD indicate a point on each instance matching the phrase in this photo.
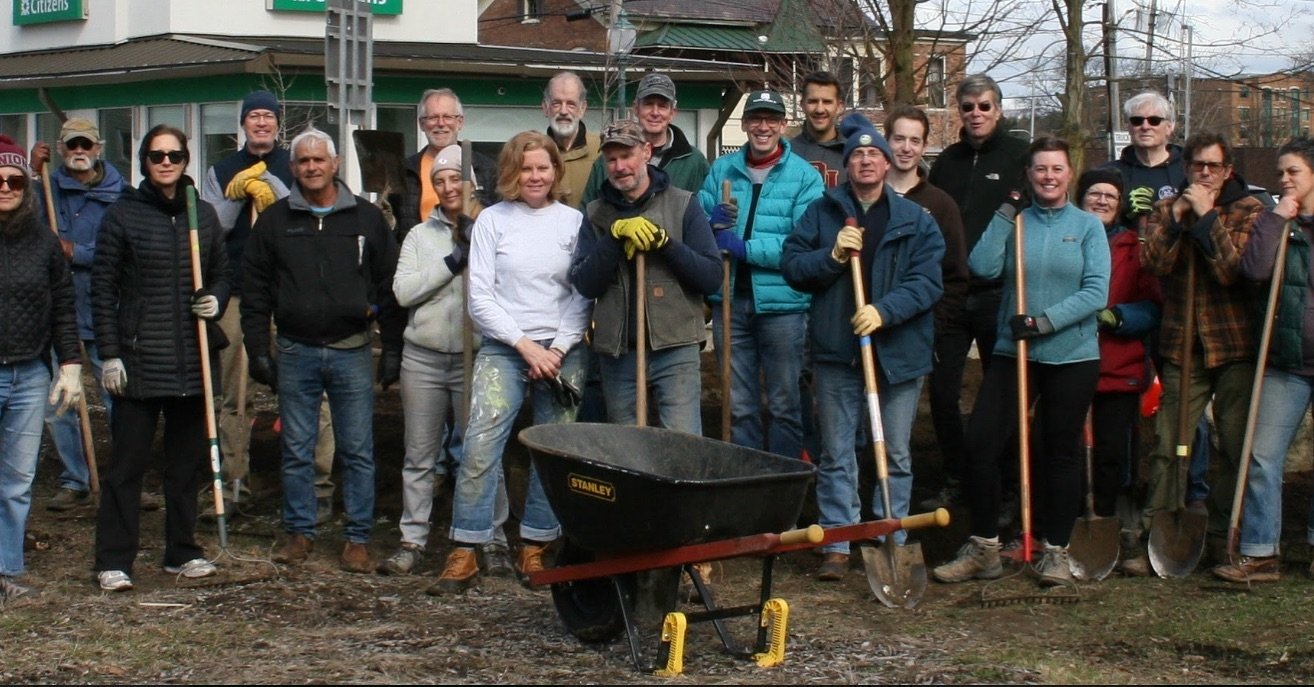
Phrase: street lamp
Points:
(620, 42)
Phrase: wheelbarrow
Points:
(639, 506)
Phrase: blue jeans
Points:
(66, 432)
(841, 403)
(1282, 405)
(767, 347)
(500, 385)
(305, 374)
(675, 381)
(23, 393)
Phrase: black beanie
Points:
(1099, 175)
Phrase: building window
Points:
(531, 10)
(219, 135)
(1243, 113)
(935, 95)
(16, 126)
(116, 132)
(862, 77)
(1244, 92)
(1304, 114)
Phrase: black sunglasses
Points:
(177, 157)
(79, 143)
(1138, 120)
(15, 182)
(968, 107)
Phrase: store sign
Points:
(379, 6)
(47, 11)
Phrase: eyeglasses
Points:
(1099, 195)
(80, 143)
(982, 106)
(770, 120)
(261, 116)
(1139, 120)
(867, 154)
(177, 157)
(1213, 167)
(15, 182)
(441, 119)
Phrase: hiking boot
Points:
(68, 499)
(323, 510)
(978, 558)
(114, 580)
(460, 572)
(402, 562)
(295, 550)
(10, 589)
(530, 560)
(193, 569)
(1055, 567)
(1250, 569)
(497, 560)
(833, 567)
(150, 501)
(356, 558)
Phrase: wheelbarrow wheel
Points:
(589, 608)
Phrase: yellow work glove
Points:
(637, 230)
(260, 193)
(866, 320)
(236, 189)
(849, 239)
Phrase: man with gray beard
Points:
(564, 102)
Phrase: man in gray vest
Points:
(638, 212)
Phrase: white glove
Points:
(206, 307)
(113, 377)
(67, 388)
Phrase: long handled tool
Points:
(1023, 395)
(725, 329)
(84, 418)
(1093, 547)
(207, 384)
(896, 573)
(1256, 390)
(1177, 536)
(467, 324)
(640, 339)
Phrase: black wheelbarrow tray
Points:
(639, 506)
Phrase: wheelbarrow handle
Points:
(812, 534)
(936, 518)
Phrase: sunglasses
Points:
(1138, 120)
(1213, 167)
(968, 107)
(15, 182)
(177, 157)
(80, 143)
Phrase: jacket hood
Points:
(837, 143)
(1128, 156)
(345, 201)
(107, 185)
(148, 193)
(989, 144)
(1234, 189)
(658, 181)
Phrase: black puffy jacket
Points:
(36, 296)
(141, 290)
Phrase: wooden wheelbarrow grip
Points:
(812, 534)
(937, 518)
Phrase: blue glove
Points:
(724, 216)
(728, 242)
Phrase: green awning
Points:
(724, 38)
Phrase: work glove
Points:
(236, 189)
(637, 230)
(457, 259)
(389, 368)
(1140, 201)
(67, 388)
(1109, 318)
(724, 216)
(263, 369)
(205, 305)
(566, 395)
(113, 378)
(731, 244)
(848, 240)
(1029, 327)
(866, 320)
(260, 193)
(1012, 205)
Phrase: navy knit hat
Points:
(858, 132)
(258, 100)
(1100, 175)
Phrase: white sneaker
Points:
(193, 569)
(114, 580)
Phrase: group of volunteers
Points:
(494, 283)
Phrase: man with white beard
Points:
(564, 102)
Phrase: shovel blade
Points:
(896, 574)
(1177, 540)
(1093, 547)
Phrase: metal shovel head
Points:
(1093, 548)
(1177, 540)
(896, 573)
(381, 154)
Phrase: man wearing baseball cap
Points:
(899, 248)
(655, 109)
(82, 189)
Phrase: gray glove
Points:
(114, 377)
(67, 388)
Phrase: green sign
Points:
(379, 6)
(47, 11)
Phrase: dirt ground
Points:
(261, 623)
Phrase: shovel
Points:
(1094, 544)
(1177, 537)
(726, 419)
(897, 572)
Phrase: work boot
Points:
(10, 589)
(1250, 569)
(356, 558)
(402, 562)
(530, 560)
(460, 572)
(978, 558)
(1135, 562)
(68, 499)
(295, 550)
(497, 560)
(833, 567)
(1055, 567)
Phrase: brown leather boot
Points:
(460, 572)
(295, 550)
(530, 559)
(356, 558)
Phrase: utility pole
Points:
(1186, 78)
(1111, 73)
(1149, 35)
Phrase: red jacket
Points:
(1134, 293)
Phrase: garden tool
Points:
(725, 330)
(207, 384)
(1093, 547)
